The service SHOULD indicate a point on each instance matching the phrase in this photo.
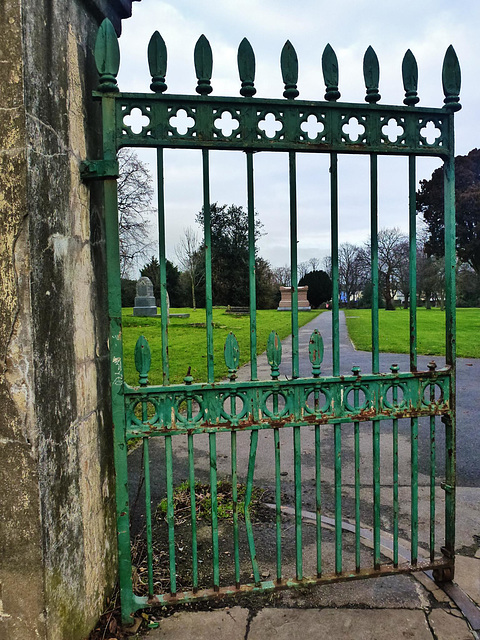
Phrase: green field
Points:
(394, 331)
(187, 340)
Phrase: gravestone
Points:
(145, 304)
(286, 300)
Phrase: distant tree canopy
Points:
(467, 198)
(319, 287)
(128, 289)
(230, 259)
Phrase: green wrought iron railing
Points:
(345, 413)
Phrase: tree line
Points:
(230, 267)
(230, 256)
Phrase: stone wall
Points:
(57, 512)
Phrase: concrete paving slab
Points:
(203, 625)
(447, 626)
(467, 576)
(390, 592)
(344, 624)
(432, 587)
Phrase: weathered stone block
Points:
(57, 524)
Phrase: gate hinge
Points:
(99, 169)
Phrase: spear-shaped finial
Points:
(315, 350)
(143, 360)
(232, 355)
(157, 62)
(246, 68)
(371, 73)
(274, 353)
(451, 80)
(203, 66)
(107, 57)
(330, 73)
(289, 66)
(410, 79)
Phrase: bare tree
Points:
(282, 276)
(391, 256)
(314, 264)
(302, 269)
(403, 274)
(350, 271)
(431, 279)
(189, 259)
(327, 265)
(135, 194)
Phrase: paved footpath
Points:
(394, 607)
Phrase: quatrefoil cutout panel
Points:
(312, 127)
(226, 123)
(353, 130)
(182, 121)
(136, 120)
(393, 131)
(270, 126)
(430, 132)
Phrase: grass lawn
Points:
(187, 340)
(394, 331)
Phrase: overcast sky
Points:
(427, 27)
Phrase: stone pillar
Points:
(285, 303)
(57, 511)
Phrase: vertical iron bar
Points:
(374, 257)
(450, 318)
(356, 430)
(236, 548)
(170, 514)
(248, 498)
(337, 434)
(334, 249)
(297, 453)
(278, 503)
(193, 510)
(148, 514)
(292, 166)
(163, 266)
(432, 478)
(318, 500)
(116, 364)
(251, 266)
(208, 264)
(375, 351)
(212, 441)
(412, 204)
(450, 256)
(395, 481)
(414, 489)
(376, 493)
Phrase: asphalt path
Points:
(468, 385)
(468, 445)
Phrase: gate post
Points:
(57, 525)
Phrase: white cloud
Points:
(426, 28)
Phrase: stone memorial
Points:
(145, 303)
(286, 300)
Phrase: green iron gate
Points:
(372, 401)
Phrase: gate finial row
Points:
(107, 58)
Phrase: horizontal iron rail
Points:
(278, 585)
(199, 408)
(291, 117)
